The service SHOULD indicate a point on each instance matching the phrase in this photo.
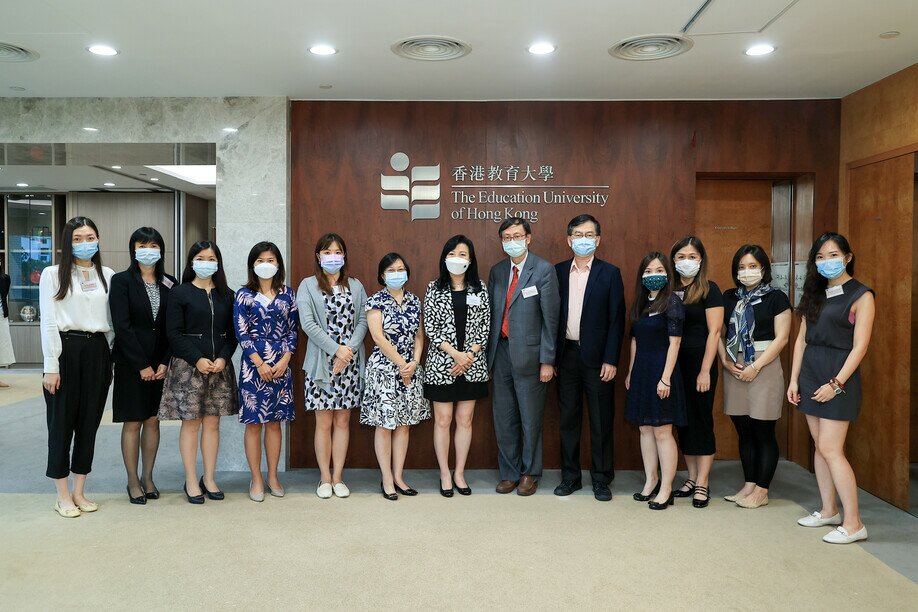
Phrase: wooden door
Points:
(880, 213)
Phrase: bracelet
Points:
(663, 383)
(757, 371)
(837, 383)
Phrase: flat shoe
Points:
(68, 513)
(742, 503)
(324, 490)
(734, 498)
(341, 490)
(88, 506)
(816, 520)
(256, 497)
(278, 492)
(840, 535)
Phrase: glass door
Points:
(29, 250)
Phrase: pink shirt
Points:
(576, 291)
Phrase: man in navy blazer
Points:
(590, 331)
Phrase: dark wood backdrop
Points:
(649, 153)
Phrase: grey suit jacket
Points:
(533, 320)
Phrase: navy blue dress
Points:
(652, 333)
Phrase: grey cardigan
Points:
(311, 304)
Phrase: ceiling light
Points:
(22, 184)
(541, 48)
(17, 88)
(108, 184)
(890, 34)
(154, 179)
(230, 130)
(90, 129)
(759, 50)
(322, 50)
(325, 86)
(102, 50)
(199, 175)
(116, 167)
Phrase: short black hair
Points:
(580, 220)
(760, 256)
(511, 221)
(387, 260)
(145, 235)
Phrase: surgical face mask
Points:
(583, 247)
(147, 257)
(457, 265)
(515, 248)
(85, 250)
(204, 269)
(265, 270)
(396, 280)
(654, 282)
(831, 268)
(331, 263)
(750, 278)
(688, 268)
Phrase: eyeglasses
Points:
(513, 237)
(583, 235)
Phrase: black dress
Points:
(461, 390)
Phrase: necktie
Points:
(505, 325)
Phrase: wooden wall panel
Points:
(649, 154)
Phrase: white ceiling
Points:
(61, 179)
(825, 48)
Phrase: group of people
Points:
(172, 343)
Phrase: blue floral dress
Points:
(387, 402)
(268, 328)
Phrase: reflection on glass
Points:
(29, 251)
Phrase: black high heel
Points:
(154, 494)
(446, 492)
(409, 492)
(463, 490)
(192, 499)
(389, 496)
(214, 495)
(140, 499)
(644, 498)
(691, 489)
(701, 503)
(658, 506)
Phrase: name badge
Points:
(472, 300)
(263, 300)
(834, 291)
(653, 314)
(681, 294)
(528, 292)
(758, 301)
(168, 283)
(88, 282)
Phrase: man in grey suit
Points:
(525, 307)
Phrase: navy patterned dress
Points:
(268, 328)
(387, 402)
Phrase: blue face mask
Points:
(515, 248)
(583, 247)
(654, 282)
(147, 257)
(85, 250)
(204, 269)
(831, 268)
(396, 280)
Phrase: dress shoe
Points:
(88, 506)
(466, 491)
(140, 500)
(506, 486)
(66, 512)
(567, 487)
(816, 520)
(341, 490)
(687, 493)
(646, 498)
(751, 505)
(193, 499)
(389, 496)
(278, 492)
(734, 498)
(152, 493)
(662, 506)
(701, 503)
(446, 492)
(409, 492)
(324, 490)
(601, 491)
(214, 495)
(528, 486)
(256, 497)
(840, 535)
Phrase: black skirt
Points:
(134, 399)
(459, 391)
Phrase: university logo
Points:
(417, 191)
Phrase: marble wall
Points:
(252, 167)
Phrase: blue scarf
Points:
(742, 323)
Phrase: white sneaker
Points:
(324, 490)
(840, 535)
(816, 520)
(341, 490)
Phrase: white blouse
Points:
(85, 308)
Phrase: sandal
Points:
(685, 493)
(701, 503)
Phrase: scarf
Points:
(742, 323)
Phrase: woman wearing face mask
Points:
(7, 356)
(757, 320)
(199, 387)
(456, 319)
(266, 329)
(76, 336)
(393, 399)
(704, 317)
(333, 316)
(139, 298)
(837, 321)
(655, 397)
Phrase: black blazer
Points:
(4, 293)
(602, 320)
(194, 331)
(140, 340)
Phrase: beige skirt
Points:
(761, 399)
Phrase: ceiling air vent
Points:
(651, 47)
(431, 48)
(12, 53)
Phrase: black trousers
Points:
(75, 409)
(576, 380)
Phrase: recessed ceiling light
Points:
(22, 184)
(154, 179)
(17, 88)
(322, 50)
(890, 34)
(325, 86)
(90, 129)
(541, 48)
(230, 130)
(102, 50)
(108, 184)
(116, 167)
(763, 49)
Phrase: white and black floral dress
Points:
(387, 402)
(344, 389)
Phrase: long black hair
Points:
(277, 283)
(471, 273)
(642, 294)
(65, 267)
(145, 235)
(219, 276)
(814, 287)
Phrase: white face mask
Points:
(750, 278)
(688, 268)
(457, 265)
(265, 270)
